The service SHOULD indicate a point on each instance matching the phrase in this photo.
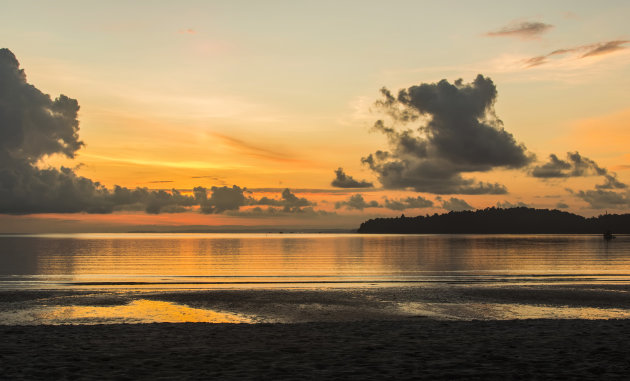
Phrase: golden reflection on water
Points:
(138, 311)
(210, 260)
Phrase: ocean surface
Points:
(185, 261)
(253, 278)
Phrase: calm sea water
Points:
(305, 260)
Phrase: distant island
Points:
(519, 220)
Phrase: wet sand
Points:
(446, 302)
(411, 349)
(379, 333)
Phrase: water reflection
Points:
(254, 258)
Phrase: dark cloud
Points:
(288, 201)
(583, 51)
(455, 204)
(160, 181)
(562, 205)
(34, 126)
(605, 195)
(522, 30)
(346, 181)
(356, 202)
(221, 199)
(459, 133)
(508, 205)
(605, 199)
(575, 165)
(271, 211)
(407, 203)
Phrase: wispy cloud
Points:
(187, 31)
(525, 30)
(249, 149)
(578, 52)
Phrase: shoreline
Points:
(400, 349)
(270, 305)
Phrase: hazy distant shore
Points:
(407, 349)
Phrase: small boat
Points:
(609, 235)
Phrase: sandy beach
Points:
(411, 349)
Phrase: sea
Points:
(181, 261)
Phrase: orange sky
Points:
(280, 96)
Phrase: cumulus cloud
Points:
(576, 165)
(611, 193)
(221, 199)
(508, 205)
(522, 30)
(356, 202)
(605, 199)
(288, 201)
(562, 205)
(407, 203)
(578, 52)
(342, 180)
(34, 126)
(458, 133)
(455, 204)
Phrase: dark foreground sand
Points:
(408, 349)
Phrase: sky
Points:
(119, 116)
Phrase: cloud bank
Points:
(34, 126)
(358, 202)
(457, 132)
(611, 193)
(455, 204)
(289, 202)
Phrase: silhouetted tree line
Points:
(519, 220)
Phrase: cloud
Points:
(562, 205)
(612, 193)
(407, 203)
(34, 126)
(458, 133)
(356, 202)
(289, 202)
(271, 211)
(346, 181)
(508, 205)
(455, 204)
(605, 48)
(525, 30)
(578, 52)
(605, 199)
(255, 151)
(187, 31)
(574, 166)
(221, 199)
